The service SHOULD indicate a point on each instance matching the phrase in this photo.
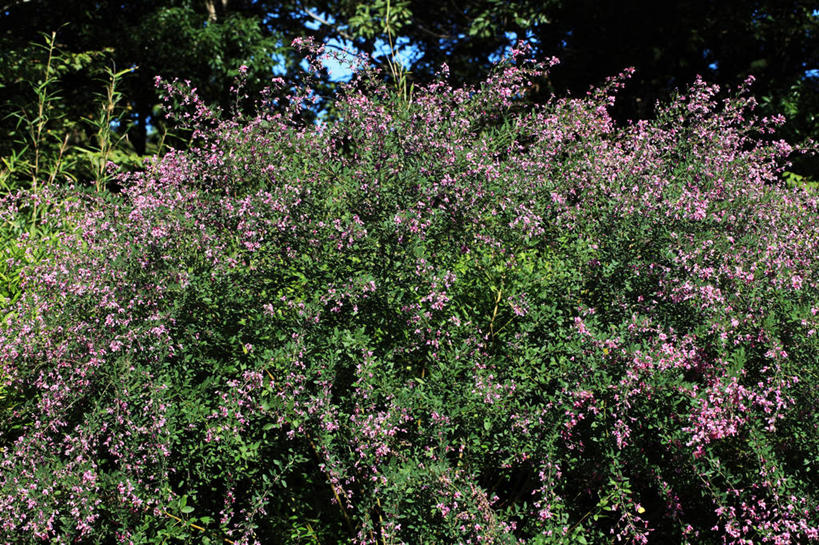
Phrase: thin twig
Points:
(56, 168)
(192, 525)
(323, 21)
(495, 311)
(335, 493)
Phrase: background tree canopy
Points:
(205, 41)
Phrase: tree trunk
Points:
(210, 6)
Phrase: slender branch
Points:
(343, 510)
(192, 525)
(56, 169)
(495, 311)
(344, 34)
(432, 33)
(340, 48)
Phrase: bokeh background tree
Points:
(669, 44)
(203, 42)
(206, 41)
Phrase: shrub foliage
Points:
(458, 319)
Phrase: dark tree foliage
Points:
(669, 44)
(206, 41)
(202, 41)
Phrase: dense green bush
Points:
(449, 320)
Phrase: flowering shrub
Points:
(455, 320)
